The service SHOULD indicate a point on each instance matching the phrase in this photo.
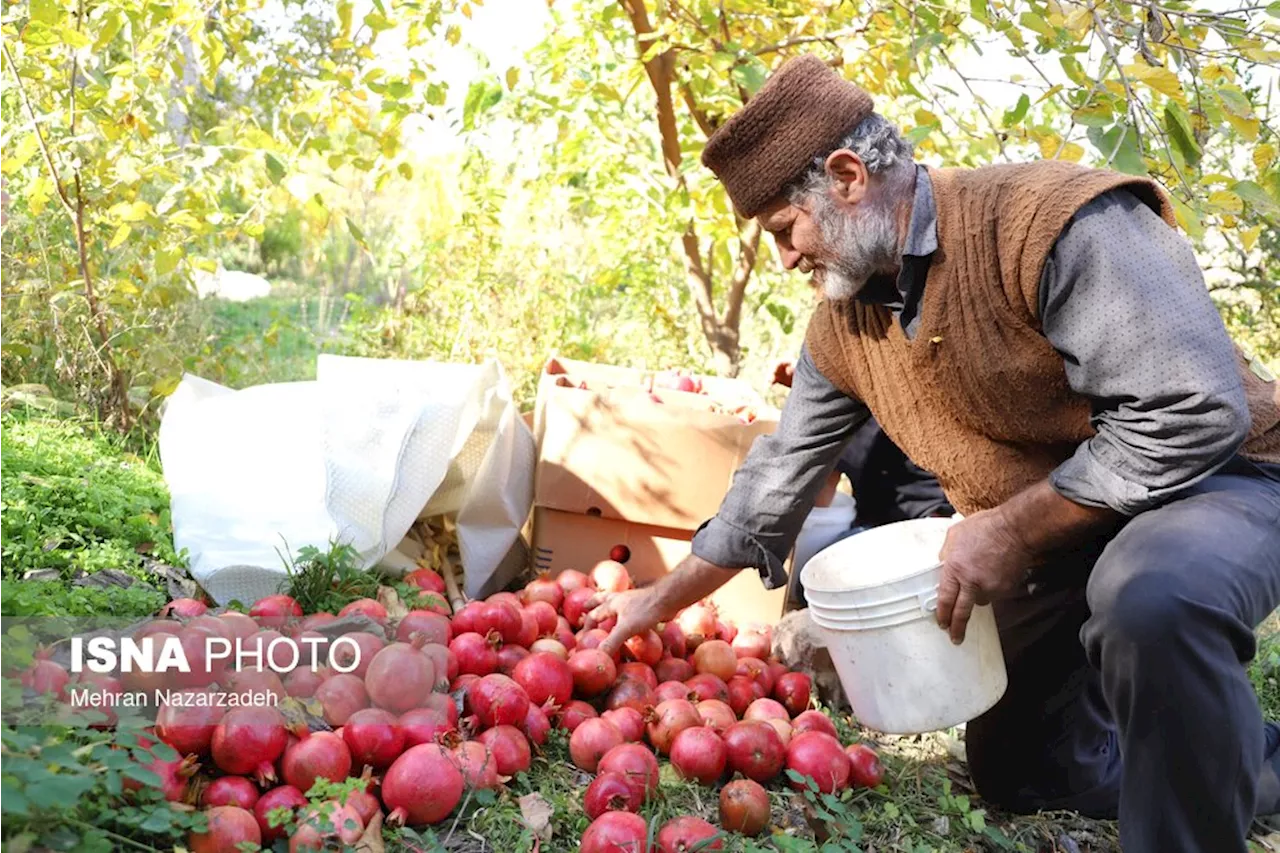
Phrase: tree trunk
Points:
(719, 329)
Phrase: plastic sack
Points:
(355, 456)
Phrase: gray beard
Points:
(862, 243)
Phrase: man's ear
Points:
(849, 174)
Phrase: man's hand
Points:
(783, 373)
(981, 561)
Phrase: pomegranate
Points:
(631, 693)
(247, 741)
(673, 641)
(374, 737)
(865, 770)
(752, 644)
(574, 714)
(283, 797)
(544, 590)
(755, 750)
(610, 576)
(717, 658)
(673, 669)
(707, 686)
(572, 579)
(508, 598)
(699, 753)
(426, 579)
(629, 721)
(592, 638)
(241, 626)
(432, 627)
(341, 696)
(499, 701)
(545, 615)
(550, 646)
(327, 825)
(640, 671)
(646, 648)
(742, 692)
(422, 786)
(229, 827)
(365, 803)
(612, 792)
(510, 749)
(214, 626)
(782, 727)
(358, 648)
(820, 757)
(444, 664)
(464, 621)
(698, 623)
(316, 620)
(433, 602)
(184, 608)
(762, 709)
(421, 725)
(672, 690)
(592, 670)
(509, 657)
(479, 769)
(616, 832)
(793, 691)
(230, 791)
(503, 618)
(366, 607)
(461, 689)
(317, 755)
(477, 655)
(635, 763)
(545, 678)
(168, 626)
(48, 677)
(188, 726)
(400, 677)
(667, 720)
(620, 553)
(744, 807)
(275, 610)
(758, 671)
(726, 631)
(591, 740)
(248, 682)
(575, 605)
(814, 721)
(303, 682)
(564, 633)
(175, 775)
(536, 726)
(715, 714)
(528, 629)
(95, 684)
(686, 834)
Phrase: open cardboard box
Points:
(610, 450)
(564, 540)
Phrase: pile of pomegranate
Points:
(442, 702)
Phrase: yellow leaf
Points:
(1080, 22)
(1071, 152)
(131, 211)
(1049, 144)
(924, 117)
(1249, 237)
(122, 234)
(513, 76)
(1264, 155)
(1246, 127)
(1161, 79)
(1226, 201)
(466, 11)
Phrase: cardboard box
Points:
(564, 540)
(611, 451)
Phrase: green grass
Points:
(1264, 672)
(272, 339)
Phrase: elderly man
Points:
(1041, 339)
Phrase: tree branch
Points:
(704, 123)
(44, 147)
(748, 248)
(982, 107)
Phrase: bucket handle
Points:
(928, 600)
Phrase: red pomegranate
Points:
(629, 721)
(742, 692)
(549, 646)
(645, 648)
(184, 608)
(509, 657)
(326, 825)
(744, 807)
(303, 682)
(575, 605)
(545, 678)
(341, 696)
(820, 757)
(529, 632)
(814, 721)
(667, 720)
(640, 672)
(755, 750)
(673, 669)
(717, 658)
(426, 579)
(715, 714)
(432, 627)
(444, 664)
(616, 832)
(592, 638)
(366, 607)
(188, 726)
(686, 834)
(400, 677)
(699, 753)
(673, 641)
(707, 686)
(758, 671)
(698, 623)
(634, 762)
(631, 693)
(752, 644)
(317, 755)
(572, 579)
(574, 714)
(247, 741)
(423, 725)
(544, 589)
(865, 770)
(283, 797)
(545, 614)
(509, 748)
(478, 766)
(592, 670)
(672, 690)
(591, 740)
(763, 709)
(230, 791)
(229, 827)
(499, 701)
(611, 576)
(275, 610)
(612, 792)
(422, 786)
(477, 655)
(374, 736)
(793, 690)
(356, 649)
(536, 726)
(48, 677)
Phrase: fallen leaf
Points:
(535, 813)
(371, 840)
(388, 598)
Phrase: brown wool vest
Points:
(978, 396)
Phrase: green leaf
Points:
(750, 75)
(1178, 125)
(378, 22)
(1274, 10)
(1256, 196)
(344, 17)
(785, 316)
(158, 821)
(275, 169)
(73, 38)
(13, 800)
(1235, 102)
(357, 235)
(111, 25)
(978, 8)
(1018, 113)
(1093, 115)
(1036, 24)
(1120, 146)
(45, 12)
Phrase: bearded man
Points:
(1041, 339)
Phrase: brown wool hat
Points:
(802, 112)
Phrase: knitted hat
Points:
(802, 112)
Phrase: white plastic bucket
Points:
(873, 597)
(823, 526)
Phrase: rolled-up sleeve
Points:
(774, 490)
(1124, 302)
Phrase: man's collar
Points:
(922, 231)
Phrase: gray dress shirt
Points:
(1122, 299)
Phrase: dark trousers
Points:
(1128, 693)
